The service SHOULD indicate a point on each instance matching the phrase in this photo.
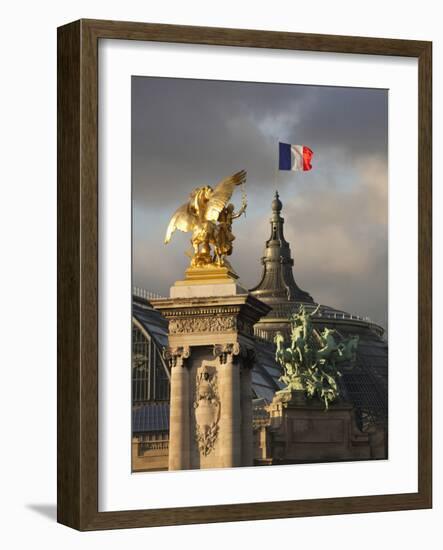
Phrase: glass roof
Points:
(365, 384)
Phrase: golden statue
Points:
(209, 215)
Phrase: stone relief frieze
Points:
(202, 324)
(212, 323)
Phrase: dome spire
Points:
(277, 283)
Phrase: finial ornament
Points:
(277, 205)
(208, 214)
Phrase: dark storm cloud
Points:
(190, 132)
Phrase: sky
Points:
(189, 133)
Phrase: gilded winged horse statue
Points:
(208, 214)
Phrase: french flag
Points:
(294, 157)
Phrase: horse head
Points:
(279, 339)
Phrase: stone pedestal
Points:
(301, 430)
(211, 354)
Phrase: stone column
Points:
(179, 420)
(246, 414)
(207, 395)
(230, 419)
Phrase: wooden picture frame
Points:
(77, 479)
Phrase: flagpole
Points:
(275, 179)
(277, 166)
